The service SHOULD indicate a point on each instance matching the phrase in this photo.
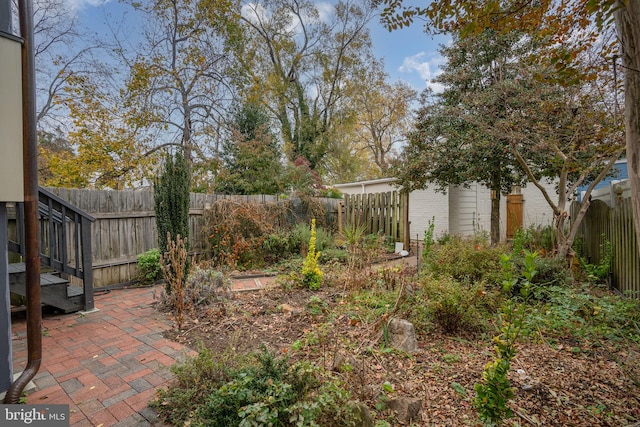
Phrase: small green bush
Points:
(575, 312)
(452, 306)
(550, 271)
(334, 255)
(301, 234)
(195, 380)
(465, 260)
(598, 273)
(535, 238)
(220, 390)
(311, 273)
(149, 267)
(278, 246)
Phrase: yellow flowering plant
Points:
(311, 273)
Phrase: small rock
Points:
(402, 335)
(289, 309)
(632, 358)
(360, 416)
(342, 362)
(407, 409)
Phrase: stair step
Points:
(54, 289)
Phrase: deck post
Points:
(6, 352)
(87, 265)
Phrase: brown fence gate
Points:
(514, 214)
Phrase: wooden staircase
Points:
(65, 251)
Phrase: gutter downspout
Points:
(32, 251)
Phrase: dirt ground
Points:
(559, 385)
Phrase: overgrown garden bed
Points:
(290, 355)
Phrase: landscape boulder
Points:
(360, 416)
(402, 335)
(407, 409)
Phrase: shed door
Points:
(514, 214)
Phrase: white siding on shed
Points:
(469, 209)
(424, 206)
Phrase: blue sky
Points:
(409, 54)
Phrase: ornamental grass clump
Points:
(311, 273)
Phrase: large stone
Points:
(343, 363)
(360, 416)
(402, 335)
(407, 409)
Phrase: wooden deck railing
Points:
(65, 240)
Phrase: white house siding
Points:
(424, 206)
(469, 209)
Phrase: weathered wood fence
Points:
(385, 213)
(125, 226)
(614, 225)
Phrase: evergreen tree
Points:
(251, 156)
(171, 195)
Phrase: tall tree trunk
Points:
(627, 18)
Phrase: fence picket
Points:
(383, 213)
(616, 226)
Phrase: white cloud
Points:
(428, 68)
(325, 10)
(80, 4)
(253, 12)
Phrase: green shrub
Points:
(333, 255)
(428, 238)
(466, 261)
(452, 306)
(571, 311)
(598, 273)
(550, 271)
(258, 391)
(495, 391)
(171, 200)
(311, 273)
(149, 267)
(301, 234)
(535, 238)
(277, 246)
(195, 380)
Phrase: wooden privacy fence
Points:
(614, 225)
(125, 226)
(384, 213)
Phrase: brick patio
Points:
(106, 364)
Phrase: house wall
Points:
(469, 209)
(428, 205)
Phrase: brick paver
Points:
(106, 364)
